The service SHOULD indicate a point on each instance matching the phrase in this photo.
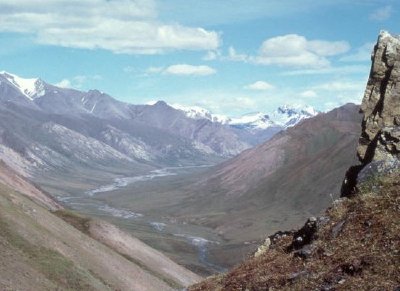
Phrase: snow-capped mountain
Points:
(290, 115)
(31, 88)
(197, 112)
(157, 133)
(252, 121)
(284, 117)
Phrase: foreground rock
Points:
(379, 144)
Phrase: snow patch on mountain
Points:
(31, 88)
(254, 121)
(197, 112)
(285, 116)
(290, 115)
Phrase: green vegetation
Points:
(51, 264)
(82, 223)
(167, 280)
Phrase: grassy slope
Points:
(40, 251)
(358, 248)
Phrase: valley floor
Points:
(129, 203)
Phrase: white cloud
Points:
(382, 13)
(341, 92)
(308, 94)
(64, 83)
(185, 69)
(154, 70)
(121, 26)
(78, 81)
(220, 103)
(340, 86)
(343, 70)
(234, 56)
(260, 86)
(294, 50)
(361, 54)
(212, 55)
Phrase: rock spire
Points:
(379, 144)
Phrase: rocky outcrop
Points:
(379, 145)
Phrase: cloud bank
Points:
(182, 70)
(294, 50)
(259, 86)
(120, 26)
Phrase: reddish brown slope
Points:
(276, 185)
(356, 248)
(18, 183)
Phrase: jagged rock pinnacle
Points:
(379, 144)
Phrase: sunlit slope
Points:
(40, 251)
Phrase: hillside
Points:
(271, 186)
(40, 251)
(356, 247)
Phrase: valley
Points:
(150, 145)
(137, 166)
(124, 201)
(204, 216)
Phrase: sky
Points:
(229, 56)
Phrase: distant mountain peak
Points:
(253, 121)
(293, 108)
(96, 92)
(289, 115)
(197, 112)
(160, 103)
(32, 88)
(284, 116)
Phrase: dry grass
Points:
(357, 248)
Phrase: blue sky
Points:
(229, 56)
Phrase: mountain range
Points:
(285, 116)
(46, 127)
